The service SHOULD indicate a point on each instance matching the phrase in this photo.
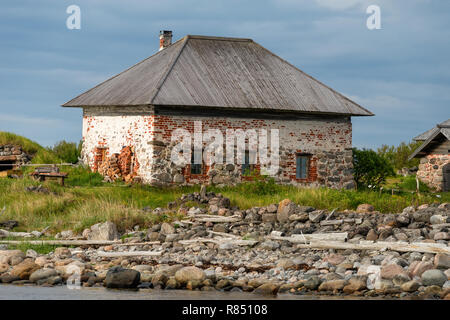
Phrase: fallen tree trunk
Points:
(217, 219)
(237, 242)
(394, 246)
(32, 234)
(302, 238)
(129, 254)
(62, 242)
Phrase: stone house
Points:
(226, 83)
(434, 154)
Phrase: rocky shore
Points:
(281, 248)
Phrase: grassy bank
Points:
(86, 200)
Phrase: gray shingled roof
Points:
(218, 72)
(424, 136)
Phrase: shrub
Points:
(67, 151)
(370, 169)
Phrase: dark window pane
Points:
(196, 168)
(246, 164)
(302, 167)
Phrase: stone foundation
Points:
(431, 170)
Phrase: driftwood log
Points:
(302, 238)
(381, 245)
(129, 254)
(32, 234)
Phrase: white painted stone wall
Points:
(114, 128)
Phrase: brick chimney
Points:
(165, 39)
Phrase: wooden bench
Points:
(49, 173)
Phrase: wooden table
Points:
(43, 176)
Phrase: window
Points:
(302, 166)
(196, 168)
(247, 168)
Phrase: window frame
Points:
(298, 167)
(193, 165)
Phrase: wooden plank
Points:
(302, 238)
(128, 254)
(378, 246)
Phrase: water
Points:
(63, 293)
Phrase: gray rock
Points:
(269, 217)
(167, 229)
(270, 245)
(103, 231)
(42, 274)
(434, 277)
(316, 216)
(178, 178)
(442, 261)
(438, 219)
(285, 209)
(118, 277)
(410, 286)
(186, 274)
(272, 208)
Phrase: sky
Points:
(400, 72)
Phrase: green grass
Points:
(39, 248)
(86, 200)
(39, 153)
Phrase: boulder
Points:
(418, 267)
(188, 274)
(316, 216)
(438, 219)
(372, 235)
(434, 277)
(62, 253)
(285, 209)
(442, 261)
(269, 217)
(166, 229)
(410, 286)
(390, 271)
(6, 255)
(364, 208)
(106, 231)
(273, 208)
(24, 269)
(334, 259)
(332, 285)
(3, 268)
(8, 278)
(442, 236)
(285, 264)
(118, 277)
(42, 274)
(267, 289)
(355, 284)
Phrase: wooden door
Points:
(446, 173)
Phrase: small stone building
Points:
(226, 83)
(11, 157)
(434, 154)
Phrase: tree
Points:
(398, 156)
(370, 168)
(67, 151)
